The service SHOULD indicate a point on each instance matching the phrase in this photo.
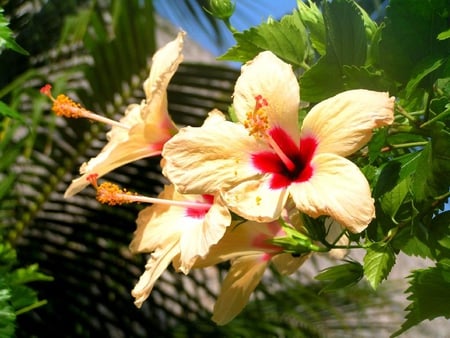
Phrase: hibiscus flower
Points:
(183, 226)
(144, 128)
(266, 158)
(247, 246)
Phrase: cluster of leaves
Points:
(337, 47)
(16, 297)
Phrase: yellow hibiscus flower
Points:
(144, 128)
(265, 159)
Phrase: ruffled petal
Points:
(165, 63)
(158, 225)
(242, 278)
(255, 200)
(337, 188)
(272, 79)
(215, 156)
(156, 265)
(198, 237)
(123, 147)
(343, 124)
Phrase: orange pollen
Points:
(257, 120)
(111, 194)
(65, 106)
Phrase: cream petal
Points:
(165, 62)
(343, 124)
(110, 159)
(274, 80)
(215, 156)
(286, 264)
(337, 188)
(158, 224)
(242, 278)
(156, 265)
(255, 200)
(240, 239)
(199, 236)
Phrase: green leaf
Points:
(6, 110)
(340, 276)
(424, 68)
(413, 241)
(346, 36)
(285, 38)
(313, 19)
(409, 36)
(378, 262)
(432, 177)
(346, 44)
(444, 35)
(394, 171)
(392, 200)
(6, 36)
(429, 294)
(7, 313)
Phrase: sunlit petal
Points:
(242, 278)
(206, 159)
(338, 189)
(343, 123)
(272, 79)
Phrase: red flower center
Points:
(201, 212)
(295, 167)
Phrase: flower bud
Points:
(221, 9)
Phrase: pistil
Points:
(65, 106)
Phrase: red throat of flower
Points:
(288, 162)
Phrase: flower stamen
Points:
(111, 194)
(257, 120)
(65, 106)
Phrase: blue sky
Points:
(248, 13)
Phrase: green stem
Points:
(31, 307)
(403, 112)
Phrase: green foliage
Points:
(15, 296)
(378, 262)
(100, 50)
(408, 164)
(6, 36)
(429, 294)
(285, 38)
(341, 276)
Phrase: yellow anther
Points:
(111, 194)
(65, 106)
(257, 120)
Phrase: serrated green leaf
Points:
(340, 276)
(346, 44)
(346, 36)
(413, 242)
(313, 19)
(378, 262)
(285, 38)
(429, 294)
(6, 36)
